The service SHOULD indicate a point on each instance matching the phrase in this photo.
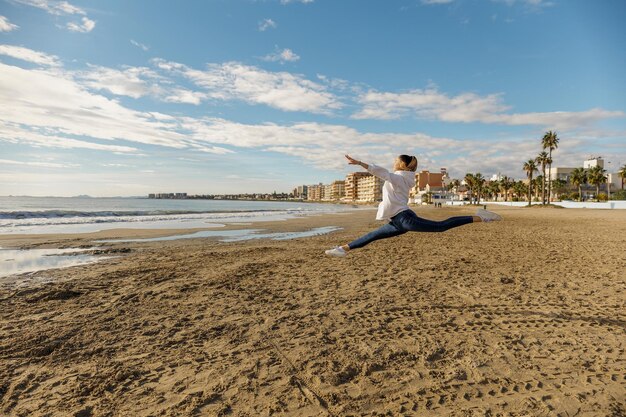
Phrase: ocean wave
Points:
(52, 214)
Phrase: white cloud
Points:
(235, 81)
(296, 1)
(181, 95)
(16, 133)
(113, 165)
(85, 26)
(427, 103)
(286, 55)
(63, 8)
(321, 145)
(467, 108)
(53, 100)
(62, 109)
(126, 82)
(139, 45)
(6, 26)
(556, 119)
(29, 55)
(38, 164)
(53, 7)
(55, 110)
(528, 4)
(266, 24)
(436, 1)
(136, 82)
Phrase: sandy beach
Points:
(526, 317)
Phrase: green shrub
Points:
(619, 195)
(603, 197)
(574, 196)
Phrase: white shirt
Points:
(395, 191)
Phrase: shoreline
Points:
(517, 317)
(26, 241)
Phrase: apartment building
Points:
(315, 192)
(428, 182)
(338, 190)
(369, 188)
(300, 192)
(350, 184)
(327, 194)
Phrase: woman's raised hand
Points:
(352, 161)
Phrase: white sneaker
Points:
(488, 216)
(336, 251)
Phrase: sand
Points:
(521, 318)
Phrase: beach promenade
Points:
(526, 317)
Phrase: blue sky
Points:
(127, 98)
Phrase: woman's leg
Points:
(410, 221)
(384, 232)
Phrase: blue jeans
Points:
(408, 221)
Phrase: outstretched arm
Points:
(353, 161)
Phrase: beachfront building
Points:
(327, 194)
(338, 190)
(300, 192)
(594, 162)
(168, 195)
(560, 173)
(430, 184)
(369, 188)
(315, 192)
(615, 181)
(350, 185)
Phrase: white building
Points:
(615, 180)
(593, 162)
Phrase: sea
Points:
(42, 215)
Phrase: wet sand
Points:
(524, 318)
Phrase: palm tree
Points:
(519, 188)
(496, 186)
(596, 176)
(543, 159)
(530, 167)
(469, 181)
(578, 177)
(505, 185)
(453, 185)
(559, 186)
(537, 186)
(493, 187)
(479, 183)
(622, 174)
(550, 141)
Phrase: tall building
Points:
(427, 178)
(327, 194)
(429, 182)
(593, 162)
(369, 188)
(300, 191)
(315, 192)
(561, 173)
(338, 190)
(351, 184)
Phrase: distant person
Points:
(394, 207)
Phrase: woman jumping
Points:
(394, 207)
